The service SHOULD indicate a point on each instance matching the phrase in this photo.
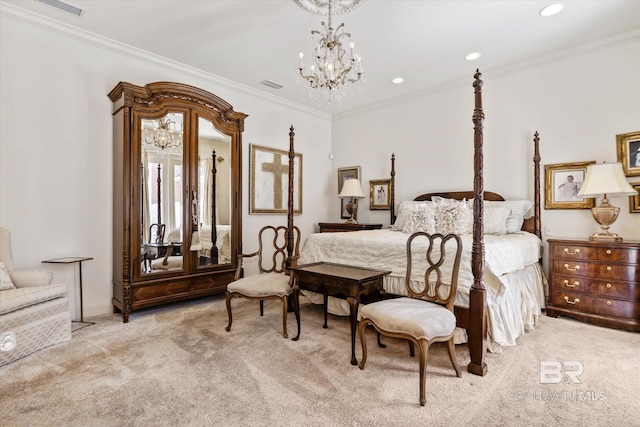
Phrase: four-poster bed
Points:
(502, 298)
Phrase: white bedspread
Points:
(512, 276)
(386, 249)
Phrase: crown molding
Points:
(45, 23)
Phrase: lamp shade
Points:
(605, 178)
(351, 188)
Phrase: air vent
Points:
(63, 6)
(271, 84)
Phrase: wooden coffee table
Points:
(343, 281)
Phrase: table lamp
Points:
(605, 179)
(352, 189)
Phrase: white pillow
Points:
(5, 279)
(453, 217)
(518, 209)
(419, 217)
(495, 220)
(401, 218)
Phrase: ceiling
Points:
(424, 41)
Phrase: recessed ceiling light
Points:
(552, 9)
(398, 80)
(473, 56)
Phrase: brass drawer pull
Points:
(608, 302)
(608, 251)
(576, 252)
(576, 268)
(608, 285)
(570, 285)
(609, 268)
(575, 301)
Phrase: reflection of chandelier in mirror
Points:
(166, 134)
(334, 68)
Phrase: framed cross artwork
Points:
(269, 180)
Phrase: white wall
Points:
(56, 146)
(578, 103)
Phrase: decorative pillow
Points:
(495, 220)
(518, 209)
(5, 279)
(453, 217)
(402, 216)
(419, 217)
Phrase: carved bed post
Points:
(537, 228)
(477, 295)
(292, 156)
(213, 254)
(392, 200)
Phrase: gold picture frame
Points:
(562, 183)
(380, 194)
(269, 181)
(634, 201)
(628, 149)
(344, 174)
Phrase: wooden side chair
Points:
(425, 316)
(277, 250)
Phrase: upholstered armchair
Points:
(34, 313)
(20, 278)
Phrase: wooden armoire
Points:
(177, 170)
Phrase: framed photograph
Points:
(269, 181)
(380, 194)
(343, 174)
(634, 201)
(562, 184)
(628, 148)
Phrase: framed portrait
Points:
(628, 148)
(344, 174)
(269, 181)
(563, 181)
(380, 194)
(634, 201)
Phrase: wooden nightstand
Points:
(332, 227)
(595, 282)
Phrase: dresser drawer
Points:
(606, 288)
(598, 305)
(629, 273)
(579, 252)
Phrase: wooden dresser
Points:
(332, 227)
(595, 282)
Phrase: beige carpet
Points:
(177, 366)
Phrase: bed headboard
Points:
(459, 195)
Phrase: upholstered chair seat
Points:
(261, 285)
(422, 319)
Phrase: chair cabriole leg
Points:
(363, 341)
(228, 300)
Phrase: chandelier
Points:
(335, 66)
(166, 134)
